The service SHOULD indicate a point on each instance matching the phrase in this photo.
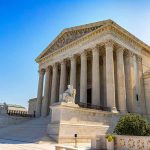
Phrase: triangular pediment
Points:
(69, 35)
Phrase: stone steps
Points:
(29, 131)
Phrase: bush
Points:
(110, 137)
(133, 124)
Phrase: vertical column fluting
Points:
(40, 93)
(129, 72)
(73, 72)
(83, 78)
(104, 80)
(135, 90)
(142, 104)
(45, 104)
(63, 82)
(95, 77)
(54, 84)
(110, 83)
(121, 80)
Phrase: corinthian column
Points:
(83, 78)
(110, 83)
(121, 80)
(130, 81)
(40, 93)
(95, 77)
(73, 72)
(45, 104)
(141, 97)
(104, 80)
(63, 82)
(54, 83)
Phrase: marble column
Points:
(83, 78)
(135, 89)
(95, 77)
(121, 80)
(73, 72)
(104, 80)
(130, 79)
(142, 103)
(110, 83)
(54, 83)
(45, 103)
(40, 93)
(63, 79)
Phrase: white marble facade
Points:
(102, 61)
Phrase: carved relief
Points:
(70, 36)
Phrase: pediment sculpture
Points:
(69, 95)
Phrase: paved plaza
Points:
(30, 135)
(16, 145)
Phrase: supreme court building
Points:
(103, 62)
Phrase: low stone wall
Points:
(6, 120)
(132, 142)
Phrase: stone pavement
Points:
(30, 135)
(16, 145)
(29, 131)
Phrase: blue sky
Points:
(28, 26)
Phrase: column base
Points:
(114, 110)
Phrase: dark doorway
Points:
(89, 93)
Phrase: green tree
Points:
(133, 124)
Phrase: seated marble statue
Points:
(69, 95)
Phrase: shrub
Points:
(133, 124)
(110, 137)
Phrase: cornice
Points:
(130, 37)
(112, 27)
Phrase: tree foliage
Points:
(133, 124)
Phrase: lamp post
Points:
(75, 136)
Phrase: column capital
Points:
(120, 49)
(47, 69)
(63, 61)
(128, 53)
(83, 53)
(139, 58)
(41, 71)
(54, 65)
(109, 43)
(73, 57)
(95, 49)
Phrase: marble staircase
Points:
(30, 131)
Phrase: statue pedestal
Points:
(68, 119)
